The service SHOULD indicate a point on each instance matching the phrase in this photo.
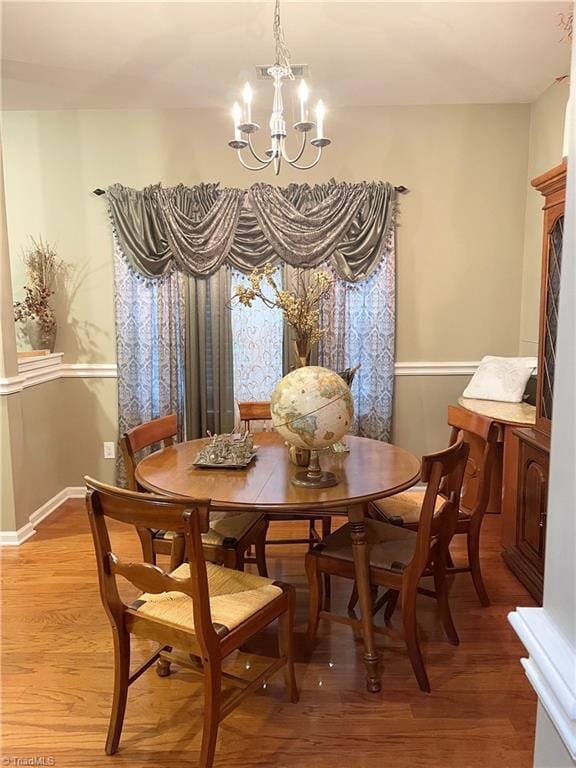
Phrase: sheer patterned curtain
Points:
(257, 334)
(359, 323)
(150, 347)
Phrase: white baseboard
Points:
(15, 538)
(550, 669)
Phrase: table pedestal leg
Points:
(356, 515)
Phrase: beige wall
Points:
(91, 412)
(545, 151)
(41, 449)
(460, 237)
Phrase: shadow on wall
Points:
(83, 338)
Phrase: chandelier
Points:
(244, 127)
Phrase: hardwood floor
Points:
(57, 676)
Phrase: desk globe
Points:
(312, 408)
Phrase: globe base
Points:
(314, 477)
(324, 480)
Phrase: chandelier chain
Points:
(244, 125)
(283, 57)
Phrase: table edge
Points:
(290, 507)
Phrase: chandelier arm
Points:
(300, 153)
(255, 155)
(310, 165)
(252, 167)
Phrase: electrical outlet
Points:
(109, 450)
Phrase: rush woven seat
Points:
(234, 597)
(404, 508)
(226, 528)
(391, 548)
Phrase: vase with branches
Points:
(300, 307)
(42, 265)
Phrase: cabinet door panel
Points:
(532, 501)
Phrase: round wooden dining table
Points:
(370, 470)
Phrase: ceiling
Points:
(125, 55)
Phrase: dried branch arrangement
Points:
(42, 265)
(301, 308)
(566, 23)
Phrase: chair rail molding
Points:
(466, 368)
(38, 370)
(550, 668)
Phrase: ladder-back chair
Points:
(399, 557)
(404, 509)
(204, 610)
(231, 533)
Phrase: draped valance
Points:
(198, 229)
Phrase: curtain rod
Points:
(400, 189)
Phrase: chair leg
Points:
(441, 588)
(260, 552)
(411, 637)
(315, 598)
(353, 598)
(312, 535)
(147, 543)
(121, 676)
(212, 684)
(286, 647)
(473, 542)
(163, 665)
(326, 530)
(177, 551)
(391, 604)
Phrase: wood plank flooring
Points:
(57, 676)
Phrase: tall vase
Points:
(302, 353)
(39, 336)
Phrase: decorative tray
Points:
(222, 465)
(230, 451)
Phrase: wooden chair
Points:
(260, 411)
(399, 557)
(231, 533)
(205, 610)
(404, 509)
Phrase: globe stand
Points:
(315, 477)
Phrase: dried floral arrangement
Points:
(566, 23)
(301, 308)
(42, 265)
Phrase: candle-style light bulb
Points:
(247, 96)
(236, 115)
(320, 114)
(303, 95)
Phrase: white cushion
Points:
(501, 378)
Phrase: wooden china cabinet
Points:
(526, 556)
